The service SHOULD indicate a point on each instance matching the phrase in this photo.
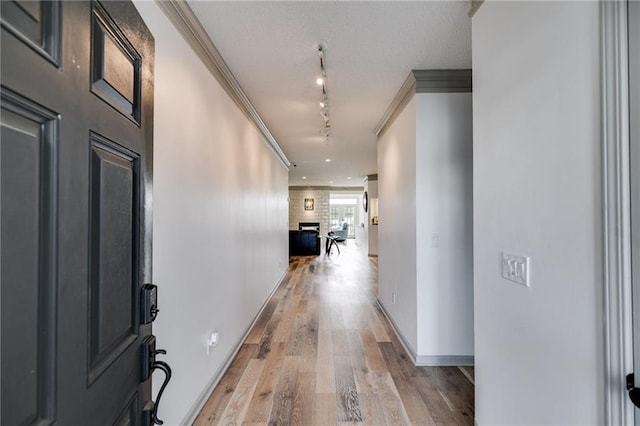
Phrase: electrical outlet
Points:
(212, 341)
(516, 268)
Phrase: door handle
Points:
(634, 392)
(160, 365)
(149, 364)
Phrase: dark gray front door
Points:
(75, 212)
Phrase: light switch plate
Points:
(516, 268)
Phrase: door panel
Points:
(75, 158)
(130, 414)
(115, 66)
(35, 23)
(27, 146)
(113, 236)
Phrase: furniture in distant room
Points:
(306, 240)
(341, 233)
(332, 241)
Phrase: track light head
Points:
(322, 81)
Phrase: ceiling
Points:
(271, 48)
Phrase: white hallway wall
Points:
(444, 228)
(424, 171)
(397, 270)
(220, 218)
(537, 186)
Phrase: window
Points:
(343, 210)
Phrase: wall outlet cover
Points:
(515, 268)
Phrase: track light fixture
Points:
(324, 102)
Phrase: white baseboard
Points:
(427, 360)
(405, 344)
(444, 361)
(191, 415)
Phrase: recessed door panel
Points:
(129, 416)
(27, 145)
(114, 283)
(115, 66)
(36, 24)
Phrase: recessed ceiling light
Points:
(348, 177)
(320, 81)
(328, 160)
(304, 177)
(330, 181)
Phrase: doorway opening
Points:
(345, 212)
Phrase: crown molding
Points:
(424, 81)
(326, 188)
(475, 5)
(188, 25)
(442, 81)
(309, 187)
(402, 98)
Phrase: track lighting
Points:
(322, 81)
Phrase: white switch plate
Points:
(212, 341)
(516, 268)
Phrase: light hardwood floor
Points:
(322, 353)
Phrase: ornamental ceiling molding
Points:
(188, 25)
(424, 81)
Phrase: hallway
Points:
(323, 353)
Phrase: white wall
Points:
(425, 233)
(397, 229)
(537, 185)
(220, 218)
(444, 225)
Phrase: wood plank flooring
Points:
(322, 353)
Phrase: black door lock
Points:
(149, 363)
(149, 303)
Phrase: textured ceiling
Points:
(371, 48)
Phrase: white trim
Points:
(424, 81)
(405, 344)
(445, 361)
(202, 399)
(426, 360)
(475, 5)
(188, 25)
(616, 213)
(402, 98)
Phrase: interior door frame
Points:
(616, 200)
